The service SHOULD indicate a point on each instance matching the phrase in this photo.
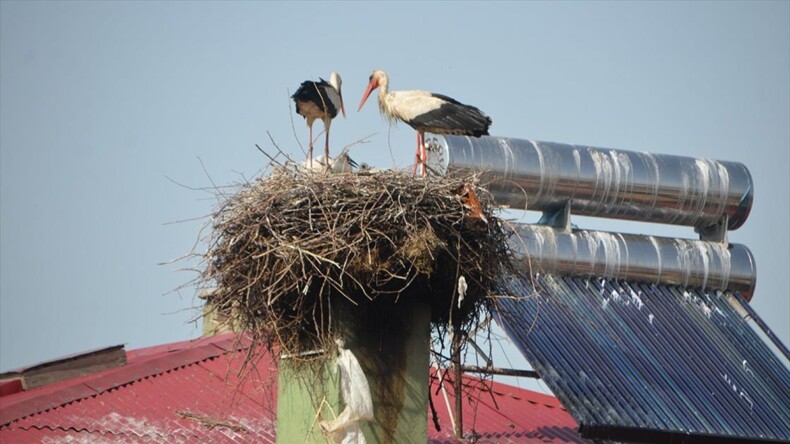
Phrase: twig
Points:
(211, 422)
(293, 127)
(272, 159)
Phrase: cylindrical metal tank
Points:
(544, 176)
(599, 254)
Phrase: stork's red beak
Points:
(371, 86)
(342, 108)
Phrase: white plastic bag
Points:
(354, 389)
(462, 287)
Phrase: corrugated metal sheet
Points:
(190, 394)
(650, 362)
(176, 392)
(499, 413)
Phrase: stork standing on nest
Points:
(426, 112)
(319, 100)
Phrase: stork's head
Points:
(337, 82)
(377, 79)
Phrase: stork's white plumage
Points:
(341, 164)
(319, 100)
(426, 112)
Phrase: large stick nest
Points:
(284, 248)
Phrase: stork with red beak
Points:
(320, 100)
(426, 112)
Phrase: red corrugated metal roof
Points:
(191, 392)
(500, 413)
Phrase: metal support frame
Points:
(558, 218)
(716, 232)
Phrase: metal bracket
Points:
(559, 218)
(489, 361)
(716, 232)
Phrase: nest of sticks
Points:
(285, 248)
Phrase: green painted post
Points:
(391, 342)
(302, 391)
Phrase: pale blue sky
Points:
(100, 102)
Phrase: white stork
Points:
(319, 100)
(426, 112)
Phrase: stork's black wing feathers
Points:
(453, 117)
(310, 91)
(448, 99)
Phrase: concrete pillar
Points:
(302, 391)
(391, 342)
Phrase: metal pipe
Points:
(600, 254)
(601, 182)
(500, 371)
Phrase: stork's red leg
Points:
(326, 151)
(417, 156)
(423, 153)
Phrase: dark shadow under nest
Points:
(285, 248)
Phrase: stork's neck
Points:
(384, 86)
(384, 90)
